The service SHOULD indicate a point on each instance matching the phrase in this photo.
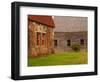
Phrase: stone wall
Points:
(35, 50)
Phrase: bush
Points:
(75, 47)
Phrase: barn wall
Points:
(75, 37)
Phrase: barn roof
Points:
(70, 24)
(46, 20)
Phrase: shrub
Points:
(75, 47)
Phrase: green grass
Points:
(64, 58)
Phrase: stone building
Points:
(40, 35)
(68, 31)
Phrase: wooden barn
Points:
(70, 30)
(40, 35)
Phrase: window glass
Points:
(82, 41)
(43, 38)
(38, 38)
(55, 43)
(68, 42)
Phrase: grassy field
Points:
(64, 58)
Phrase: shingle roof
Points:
(47, 20)
(70, 24)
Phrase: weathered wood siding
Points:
(74, 38)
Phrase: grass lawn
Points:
(64, 58)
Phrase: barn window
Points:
(38, 38)
(55, 43)
(82, 41)
(68, 42)
(43, 38)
